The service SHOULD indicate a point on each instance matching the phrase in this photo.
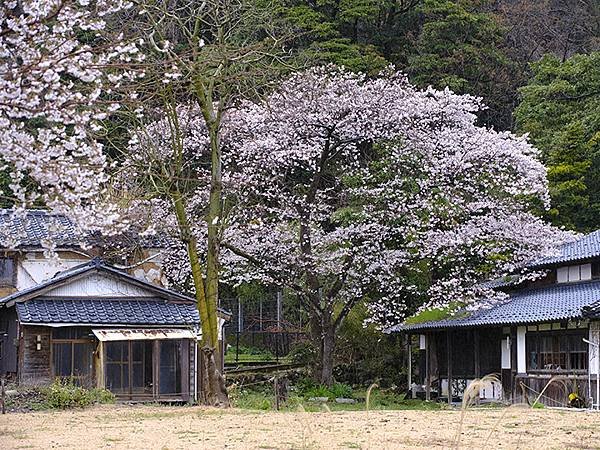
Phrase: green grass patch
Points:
(264, 400)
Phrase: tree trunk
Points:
(327, 356)
(214, 219)
(213, 392)
(323, 334)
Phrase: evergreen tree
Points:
(560, 109)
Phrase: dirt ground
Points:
(156, 427)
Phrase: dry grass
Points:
(156, 427)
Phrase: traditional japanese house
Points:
(82, 319)
(545, 330)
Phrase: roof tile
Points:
(102, 311)
(551, 303)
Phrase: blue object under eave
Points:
(103, 311)
(548, 304)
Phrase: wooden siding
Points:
(8, 341)
(97, 285)
(526, 388)
(34, 365)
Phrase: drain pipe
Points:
(196, 340)
(596, 346)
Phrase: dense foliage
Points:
(479, 47)
(561, 112)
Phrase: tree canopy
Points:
(560, 109)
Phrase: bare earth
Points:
(156, 427)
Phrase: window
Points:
(72, 354)
(7, 271)
(580, 272)
(557, 350)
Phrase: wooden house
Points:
(542, 340)
(76, 317)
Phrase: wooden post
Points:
(276, 389)
(2, 396)
(477, 363)
(428, 367)
(449, 364)
(239, 330)
(409, 356)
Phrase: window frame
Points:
(73, 341)
(564, 338)
(563, 273)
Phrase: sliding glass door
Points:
(147, 369)
(170, 368)
(128, 368)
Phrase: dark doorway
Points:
(170, 368)
(141, 368)
(129, 368)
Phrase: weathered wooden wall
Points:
(8, 341)
(527, 388)
(34, 365)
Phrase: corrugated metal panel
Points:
(126, 334)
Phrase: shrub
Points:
(318, 391)
(63, 393)
(341, 390)
(307, 388)
(303, 353)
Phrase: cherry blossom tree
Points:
(205, 58)
(358, 184)
(346, 189)
(59, 65)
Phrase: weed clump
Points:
(64, 394)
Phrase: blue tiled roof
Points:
(585, 247)
(102, 311)
(551, 303)
(592, 311)
(38, 225)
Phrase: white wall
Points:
(99, 285)
(33, 269)
(506, 359)
(521, 350)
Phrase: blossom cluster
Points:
(346, 188)
(58, 68)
